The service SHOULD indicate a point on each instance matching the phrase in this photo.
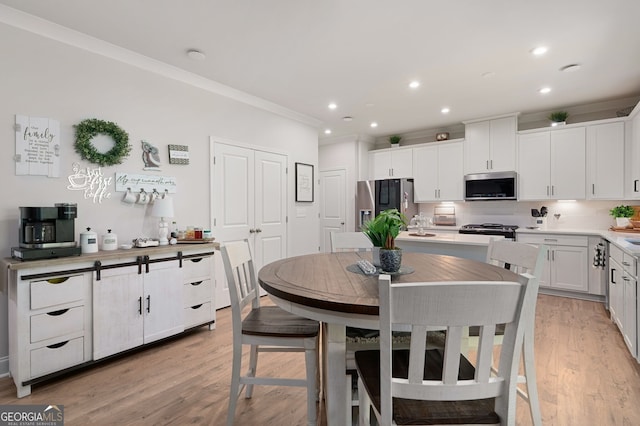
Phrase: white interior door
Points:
(333, 204)
(270, 214)
(249, 202)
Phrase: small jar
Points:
(207, 234)
(197, 233)
(190, 235)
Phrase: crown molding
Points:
(59, 33)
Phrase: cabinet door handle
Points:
(635, 185)
(611, 278)
(625, 278)
(148, 303)
(553, 190)
(140, 305)
(258, 230)
(251, 231)
(491, 164)
(553, 255)
(547, 190)
(593, 188)
(487, 164)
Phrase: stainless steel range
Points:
(507, 231)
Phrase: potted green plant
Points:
(558, 118)
(395, 140)
(622, 214)
(382, 231)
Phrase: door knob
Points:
(258, 230)
(341, 223)
(251, 231)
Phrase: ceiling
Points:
(472, 56)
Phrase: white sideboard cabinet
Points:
(623, 283)
(71, 312)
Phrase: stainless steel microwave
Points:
(491, 186)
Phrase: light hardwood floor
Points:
(585, 377)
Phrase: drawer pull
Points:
(612, 279)
(57, 345)
(140, 305)
(197, 260)
(148, 303)
(58, 313)
(57, 280)
(550, 239)
(197, 306)
(196, 283)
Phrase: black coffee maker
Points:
(47, 232)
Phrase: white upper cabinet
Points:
(391, 163)
(438, 172)
(551, 164)
(490, 146)
(605, 161)
(633, 186)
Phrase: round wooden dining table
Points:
(329, 287)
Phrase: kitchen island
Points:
(467, 246)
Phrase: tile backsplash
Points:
(572, 214)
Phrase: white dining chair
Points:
(527, 260)
(350, 241)
(265, 329)
(441, 386)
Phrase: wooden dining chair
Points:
(265, 329)
(350, 241)
(527, 260)
(441, 386)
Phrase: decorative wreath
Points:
(88, 129)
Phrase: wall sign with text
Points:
(37, 146)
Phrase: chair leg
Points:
(253, 366)
(235, 383)
(311, 361)
(530, 374)
(364, 405)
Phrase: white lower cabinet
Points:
(623, 307)
(67, 312)
(49, 323)
(567, 265)
(135, 305)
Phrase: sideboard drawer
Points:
(197, 315)
(198, 267)
(56, 291)
(57, 357)
(57, 323)
(197, 292)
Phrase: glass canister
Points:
(191, 234)
(197, 233)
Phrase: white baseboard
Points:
(4, 366)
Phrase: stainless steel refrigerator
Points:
(374, 196)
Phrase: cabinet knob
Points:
(251, 231)
(258, 230)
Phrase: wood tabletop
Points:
(323, 281)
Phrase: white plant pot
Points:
(622, 222)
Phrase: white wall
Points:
(45, 78)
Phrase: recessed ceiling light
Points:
(545, 90)
(369, 104)
(333, 106)
(445, 110)
(570, 68)
(347, 118)
(196, 55)
(327, 131)
(540, 50)
(414, 84)
(374, 124)
(487, 74)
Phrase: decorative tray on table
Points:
(404, 270)
(194, 241)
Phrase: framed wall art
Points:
(304, 182)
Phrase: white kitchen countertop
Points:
(620, 239)
(448, 238)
